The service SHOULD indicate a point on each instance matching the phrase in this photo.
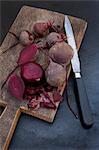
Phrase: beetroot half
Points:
(29, 53)
(16, 86)
(31, 72)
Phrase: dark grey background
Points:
(66, 133)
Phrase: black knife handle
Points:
(84, 107)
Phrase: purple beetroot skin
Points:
(31, 72)
(28, 54)
(52, 38)
(16, 86)
(41, 28)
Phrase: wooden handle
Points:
(7, 126)
(83, 103)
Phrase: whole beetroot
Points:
(31, 72)
(16, 86)
(42, 28)
(26, 38)
(29, 53)
(55, 74)
(52, 38)
(61, 53)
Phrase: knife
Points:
(82, 98)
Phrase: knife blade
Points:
(82, 98)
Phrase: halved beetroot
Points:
(29, 53)
(31, 72)
(16, 86)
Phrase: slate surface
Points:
(66, 132)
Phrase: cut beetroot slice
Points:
(56, 96)
(16, 86)
(28, 54)
(31, 72)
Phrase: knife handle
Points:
(83, 103)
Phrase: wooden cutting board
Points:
(13, 108)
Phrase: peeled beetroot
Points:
(55, 74)
(61, 53)
(29, 53)
(16, 86)
(31, 72)
(52, 38)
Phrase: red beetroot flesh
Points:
(56, 96)
(34, 104)
(16, 86)
(48, 105)
(31, 72)
(29, 53)
(32, 91)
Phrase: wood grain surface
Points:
(13, 108)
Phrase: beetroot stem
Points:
(14, 35)
(46, 95)
(9, 48)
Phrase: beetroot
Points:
(31, 72)
(48, 105)
(44, 99)
(61, 53)
(56, 96)
(55, 74)
(52, 38)
(29, 53)
(16, 86)
(34, 104)
(42, 28)
(32, 90)
(26, 38)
